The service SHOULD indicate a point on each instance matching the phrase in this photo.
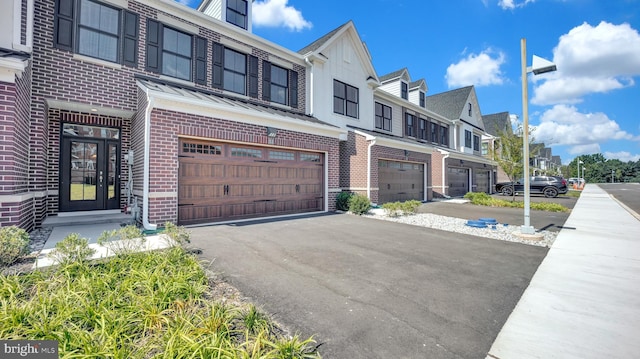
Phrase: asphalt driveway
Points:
(367, 288)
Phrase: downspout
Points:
(145, 181)
(444, 168)
(371, 143)
(306, 60)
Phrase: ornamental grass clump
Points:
(124, 240)
(395, 209)
(73, 249)
(14, 244)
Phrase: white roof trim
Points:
(389, 142)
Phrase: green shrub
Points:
(410, 207)
(342, 200)
(176, 235)
(392, 209)
(123, 241)
(479, 198)
(72, 249)
(483, 199)
(359, 204)
(14, 244)
(395, 209)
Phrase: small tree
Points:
(509, 155)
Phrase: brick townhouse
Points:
(182, 115)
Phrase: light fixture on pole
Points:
(538, 66)
(579, 163)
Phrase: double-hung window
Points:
(422, 129)
(410, 129)
(235, 71)
(434, 132)
(383, 117)
(423, 103)
(476, 143)
(345, 99)
(404, 90)
(467, 138)
(175, 53)
(237, 13)
(97, 30)
(444, 135)
(279, 85)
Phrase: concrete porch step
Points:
(86, 217)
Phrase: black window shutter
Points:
(201, 60)
(153, 46)
(218, 65)
(130, 41)
(63, 25)
(253, 76)
(293, 91)
(266, 81)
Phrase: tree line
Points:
(598, 169)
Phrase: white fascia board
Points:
(88, 108)
(10, 67)
(389, 142)
(216, 110)
(382, 94)
(188, 14)
(471, 158)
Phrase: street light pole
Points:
(526, 227)
(539, 66)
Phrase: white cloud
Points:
(481, 69)
(623, 156)
(591, 60)
(276, 13)
(584, 132)
(512, 4)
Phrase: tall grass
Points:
(483, 199)
(137, 305)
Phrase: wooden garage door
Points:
(458, 181)
(400, 181)
(219, 182)
(482, 181)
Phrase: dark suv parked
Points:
(549, 186)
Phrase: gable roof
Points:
(496, 122)
(419, 84)
(321, 41)
(394, 75)
(449, 104)
(348, 29)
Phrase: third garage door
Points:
(400, 181)
(220, 181)
(458, 181)
(482, 181)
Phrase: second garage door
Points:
(482, 181)
(219, 181)
(458, 181)
(400, 181)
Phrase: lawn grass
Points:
(483, 199)
(139, 305)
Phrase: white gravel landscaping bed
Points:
(458, 225)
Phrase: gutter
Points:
(444, 168)
(145, 181)
(310, 64)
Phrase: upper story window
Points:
(410, 125)
(383, 117)
(279, 85)
(175, 53)
(467, 138)
(470, 112)
(234, 71)
(476, 143)
(444, 135)
(423, 129)
(434, 132)
(485, 148)
(423, 103)
(97, 30)
(404, 90)
(237, 13)
(345, 99)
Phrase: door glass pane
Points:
(111, 171)
(83, 171)
(70, 129)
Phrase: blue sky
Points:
(590, 105)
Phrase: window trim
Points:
(345, 101)
(163, 50)
(467, 138)
(226, 69)
(386, 123)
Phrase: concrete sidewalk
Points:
(584, 300)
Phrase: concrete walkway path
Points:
(584, 299)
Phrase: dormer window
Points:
(404, 90)
(237, 13)
(470, 109)
(422, 100)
